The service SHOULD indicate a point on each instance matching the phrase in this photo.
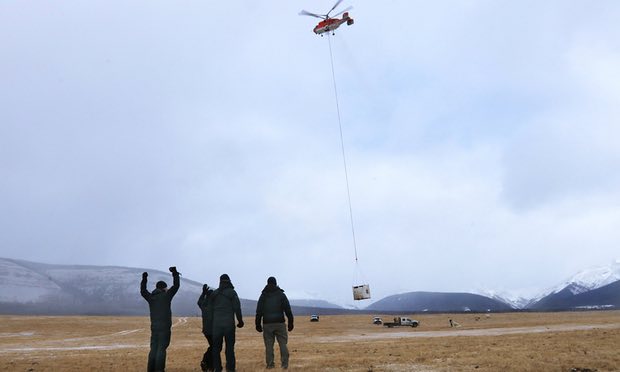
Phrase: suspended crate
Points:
(361, 292)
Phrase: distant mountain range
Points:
(37, 288)
(592, 288)
(314, 303)
(605, 297)
(438, 302)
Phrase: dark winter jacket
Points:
(207, 319)
(159, 303)
(223, 305)
(272, 305)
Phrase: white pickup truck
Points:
(402, 321)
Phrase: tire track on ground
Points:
(115, 334)
(179, 322)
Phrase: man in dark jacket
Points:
(207, 327)
(271, 307)
(161, 318)
(223, 306)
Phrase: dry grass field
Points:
(498, 342)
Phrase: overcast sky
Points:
(482, 141)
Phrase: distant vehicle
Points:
(402, 321)
(377, 320)
(314, 318)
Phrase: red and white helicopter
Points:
(330, 23)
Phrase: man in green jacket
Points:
(270, 309)
(223, 306)
(161, 318)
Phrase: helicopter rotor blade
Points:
(345, 10)
(334, 7)
(307, 13)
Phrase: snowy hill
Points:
(589, 279)
(31, 287)
(514, 301)
(22, 285)
(589, 288)
(584, 281)
(605, 297)
(37, 288)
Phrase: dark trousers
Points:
(157, 356)
(219, 335)
(207, 358)
(271, 333)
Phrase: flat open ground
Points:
(497, 342)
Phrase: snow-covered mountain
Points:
(589, 279)
(515, 301)
(590, 288)
(584, 281)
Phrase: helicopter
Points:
(330, 23)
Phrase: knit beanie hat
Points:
(161, 285)
(272, 281)
(224, 277)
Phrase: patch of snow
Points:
(19, 334)
(595, 307)
(515, 299)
